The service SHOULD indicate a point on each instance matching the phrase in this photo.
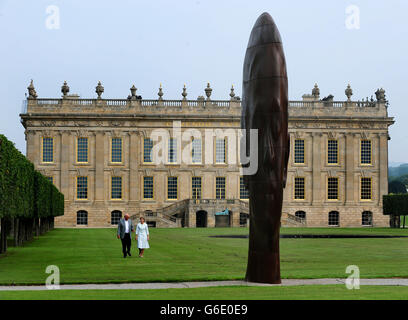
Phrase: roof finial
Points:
(32, 94)
(99, 89)
(232, 93)
(184, 93)
(208, 91)
(64, 89)
(380, 94)
(348, 92)
(316, 92)
(160, 93)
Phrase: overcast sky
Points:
(194, 42)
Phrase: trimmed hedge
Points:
(24, 192)
(395, 204)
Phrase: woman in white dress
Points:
(142, 236)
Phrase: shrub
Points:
(395, 204)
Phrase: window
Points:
(82, 217)
(116, 152)
(333, 218)
(196, 187)
(82, 150)
(332, 188)
(299, 147)
(243, 192)
(149, 213)
(365, 188)
(172, 152)
(220, 150)
(116, 215)
(220, 188)
(48, 150)
(50, 179)
(147, 187)
(299, 188)
(332, 152)
(151, 224)
(196, 151)
(147, 150)
(243, 218)
(365, 152)
(301, 214)
(82, 187)
(116, 188)
(367, 218)
(172, 188)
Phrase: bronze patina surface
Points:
(265, 107)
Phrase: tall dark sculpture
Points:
(265, 107)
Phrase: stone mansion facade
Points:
(98, 152)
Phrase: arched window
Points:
(334, 218)
(301, 214)
(82, 217)
(367, 218)
(116, 215)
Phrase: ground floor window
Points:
(300, 214)
(333, 218)
(367, 218)
(243, 217)
(116, 215)
(82, 217)
(151, 224)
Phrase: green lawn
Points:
(94, 256)
(311, 292)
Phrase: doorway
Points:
(201, 219)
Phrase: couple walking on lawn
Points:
(125, 228)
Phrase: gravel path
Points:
(170, 285)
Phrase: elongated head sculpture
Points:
(265, 107)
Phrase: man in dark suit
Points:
(125, 227)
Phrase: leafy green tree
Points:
(396, 186)
(27, 198)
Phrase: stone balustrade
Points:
(187, 103)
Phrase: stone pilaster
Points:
(350, 164)
(383, 166)
(99, 166)
(318, 192)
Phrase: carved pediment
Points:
(81, 171)
(364, 135)
(332, 173)
(47, 123)
(81, 133)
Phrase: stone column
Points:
(235, 216)
(191, 223)
(211, 217)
